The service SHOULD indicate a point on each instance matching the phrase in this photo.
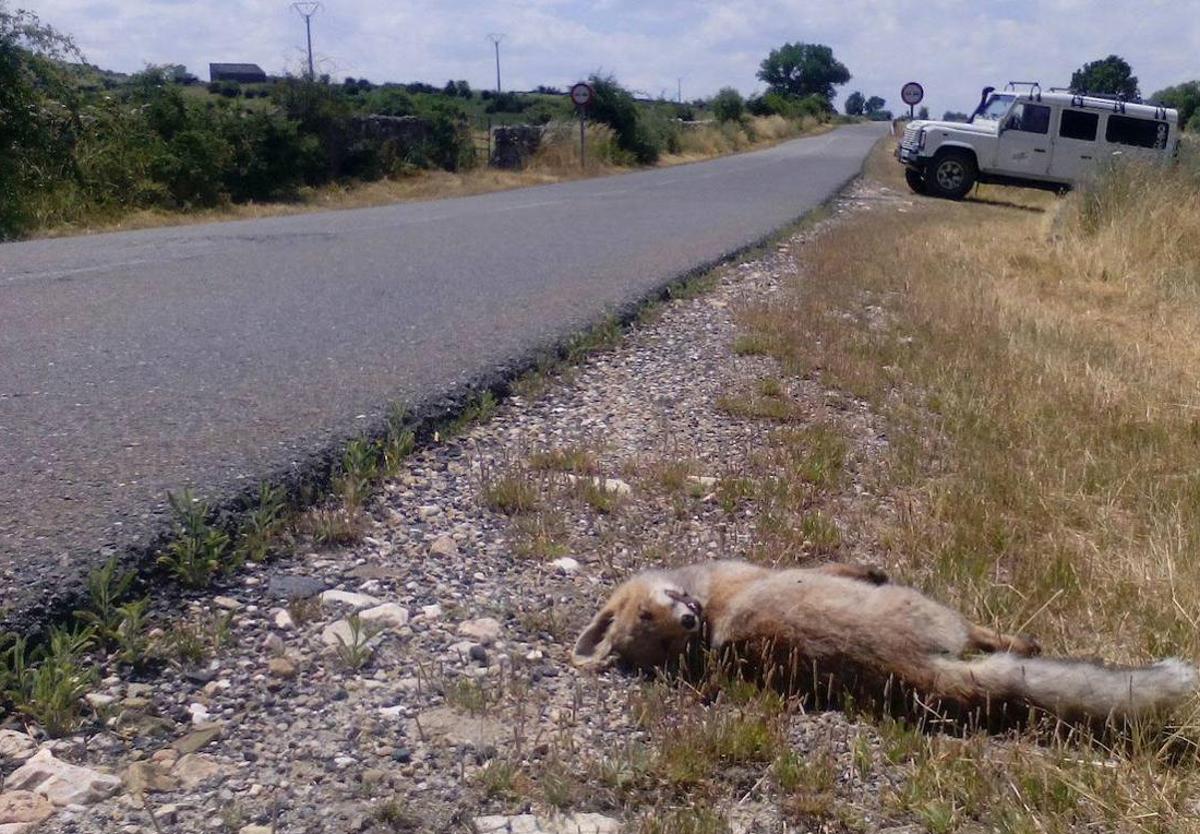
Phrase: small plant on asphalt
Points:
(398, 444)
(49, 690)
(512, 494)
(197, 553)
(263, 525)
(190, 644)
(479, 411)
(133, 643)
(356, 652)
(360, 467)
(106, 588)
(304, 610)
(393, 815)
(333, 525)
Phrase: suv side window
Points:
(1140, 133)
(1029, 118)
(1079, 125)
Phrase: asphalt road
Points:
(213, 356)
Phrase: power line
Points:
(495, 38)
(308, 8)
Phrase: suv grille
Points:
(910, 137)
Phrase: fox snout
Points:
(689, 620)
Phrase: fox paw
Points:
(1025, 646)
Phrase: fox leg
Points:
(985, 639)
(862, 573)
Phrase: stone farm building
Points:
(242, 73)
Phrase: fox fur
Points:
(847, 623)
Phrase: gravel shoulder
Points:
(465, 714)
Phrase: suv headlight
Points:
(921, 139)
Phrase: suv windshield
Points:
(996, 107)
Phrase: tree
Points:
(463, 88)
(38, 114)
(855, 104)
(728, 105)
(923, 113)
(874, 105)
(1183, 97)
(1108, 76)
(803, 69)
(955, 116)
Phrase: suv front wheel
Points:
(915, 180)
(951, 175)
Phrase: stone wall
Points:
(513, 146)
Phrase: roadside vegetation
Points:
(1031, 359)
(89, 149)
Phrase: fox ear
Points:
(595, 643)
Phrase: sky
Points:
(952, 47)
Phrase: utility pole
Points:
(495, 38)
(679, 94)
(308, 8)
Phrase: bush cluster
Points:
(153, 143)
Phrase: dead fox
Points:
(840, 617)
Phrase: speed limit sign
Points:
(912, 93)
(582, 94)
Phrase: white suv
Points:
(1052, 140)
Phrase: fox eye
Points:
(646, 615)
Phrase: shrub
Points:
(614, 106)
(728, 105)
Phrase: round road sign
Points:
(912, 93)
(582, 94)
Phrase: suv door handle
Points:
(1039, 150)
(1085, 156)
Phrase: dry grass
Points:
(1035, 363)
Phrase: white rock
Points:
(429, 510)
(444, 546)
(255, 829)
(525, 824)
(566, 565)
(484, 630)
(355, 601)
(616, 486)
(21, 808)
(583, 824)
(199, 713)
(98, 700)
(461, 650)
(195, 769)
(284, 620)
(702, 481)
(391, 712)
(613, 485)
(431, 612)
(491, 825)
(14, 745)
(389, 614)
(228, 603)
(341, 629)
(62, 783)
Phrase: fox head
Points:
(647, 623)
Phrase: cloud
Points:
(953, 47)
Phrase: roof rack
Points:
(1035, 89)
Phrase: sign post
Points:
(582, 95)
(912, 93)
